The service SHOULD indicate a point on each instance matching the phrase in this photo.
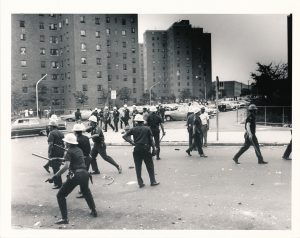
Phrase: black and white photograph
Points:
(129, 122)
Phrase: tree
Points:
(80, 97)
(185, 94)
(16, 101)
(124, 94)
(272, 84)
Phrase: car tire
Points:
(168, 118)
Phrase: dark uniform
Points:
(78, 175)
(190, 125)
(55, 137)
(100, 148)
(154, 121)
(107, 120)
(126, 117)
(134, 113)
(162, 111)
(85, 146)
(78, 115)
(252, 122)
(197, 137)
(116, 115)
(143, 141)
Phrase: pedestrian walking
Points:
(55, 153)
(154, 121)
(99, 146)
(250, 137)
(134, 113)
(107, 119)
(116, 116)
(121, 115)
(197, 135)
(142, 142)
(161, 111)
(78, 116)
(78, 175)
(190, 125)
(288, 150)
(205, 125)
(126, 115)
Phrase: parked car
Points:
(177, 115)
(85, 114)
(32, 126)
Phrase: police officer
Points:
(197, 135)
(78, 116)
(142, 142)
(190, 125)
(126, 115)
(154, 121)
(107, 119)
(78, 175)
(161, 111)
(134, 113)
(250, 137)
(55, 153)
(116, 118)
(99, 146)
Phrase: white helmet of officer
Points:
(93, 118)
(152, 109)
(71, 139)
(78, 127)
(139, 117)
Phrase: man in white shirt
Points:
(205, 125)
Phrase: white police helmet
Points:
(53, 123)
(153, 109)
(71, 139)
(139, 117)
(78, 127)
(93, 118)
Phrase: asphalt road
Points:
(195, 193)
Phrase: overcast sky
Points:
(238, 41)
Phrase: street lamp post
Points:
(37, 94)
(151, 89)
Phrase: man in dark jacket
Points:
(107, 119)
(55, 153)
(126, 116)
(142, 142)
(116, 116)
(78, 116)
(154, 121)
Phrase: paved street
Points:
(195, 193)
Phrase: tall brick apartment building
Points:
(79, 52)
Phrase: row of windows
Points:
(53, 90)
(100, 88)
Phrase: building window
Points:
(84, 87)
(24, 76)
(60, 25)
(55, 102)
(69, 75)
(98, 47)
(109, 77)
(53, 39)
(132, 30)
(22, 23)
(108, 42)
(67, 21)
(55, 64)
(133, 80)
(97, 34)
(131, 19)
(178, 84)
(133, 50)
(55, 89)
(134, 90)
(99, 74)
(108, 54)
(123, 33)
(25, 90)
(42, 38)
(97, 20)
(108, 65)
(23, 50)
(84, 74)
(23, 36)
(133, 60)
(123, 21)
(83, 47)
(124, 55)
(99, 87)
(98, 61)
(43, 64)
(23, 63)
(82, 33)
(42, 51)
(83, 60)
(52, 26)
(42, 26)
(124, 66)
(107, 31)
(125, 78)
(62, 90)
(82, 19)
(124, 44)
(53, 51)
(107, 20)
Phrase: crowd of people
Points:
(79, 150)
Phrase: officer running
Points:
(142, 142)
(99, 146)
(154, 121)
(197, 135)
(78, 175)
(55, 153)
(250, 137)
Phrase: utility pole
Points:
(217, 98)
(37, 94)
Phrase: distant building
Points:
(91, 53)
(180, 59)
(230, 89)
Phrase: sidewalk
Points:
(235, 138)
